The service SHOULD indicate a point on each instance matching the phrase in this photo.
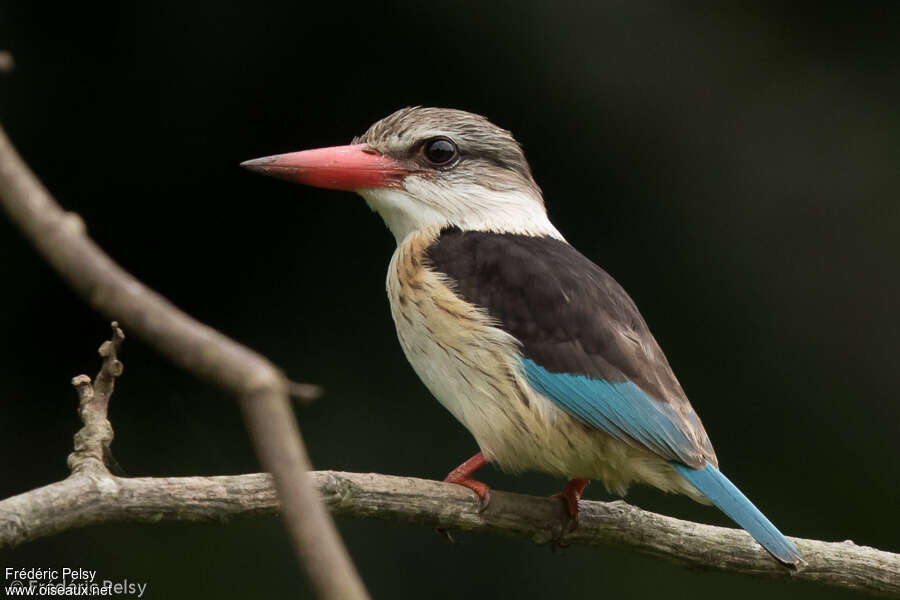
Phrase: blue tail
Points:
(733, 503)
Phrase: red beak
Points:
(347, 168)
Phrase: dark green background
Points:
(735, 168)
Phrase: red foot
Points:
(570, 495)
(461, 475)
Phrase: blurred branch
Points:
(80, 501)
(304, 393)
(261, 389)
(7, 63)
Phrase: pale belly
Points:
(472, 368)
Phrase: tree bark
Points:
(84, 500)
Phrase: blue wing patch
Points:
(626, 412)
(621, 409)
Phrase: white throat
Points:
(421, 204)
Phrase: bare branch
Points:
(259, 386)
(112, 368)
(93, 440)
(91, 495)
(81, 500)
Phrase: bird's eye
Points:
(440, 151)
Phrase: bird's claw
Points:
(461, 475)
(484, 500)
(567, 524)
(570, 496)
(482, 490)
(570, 518)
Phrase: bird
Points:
(535, 349)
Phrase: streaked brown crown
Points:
(484, 148)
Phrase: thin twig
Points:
(93, 440)
(80, 501)
(259, 386)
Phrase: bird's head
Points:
(428, 167)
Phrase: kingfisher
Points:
(535, 349)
